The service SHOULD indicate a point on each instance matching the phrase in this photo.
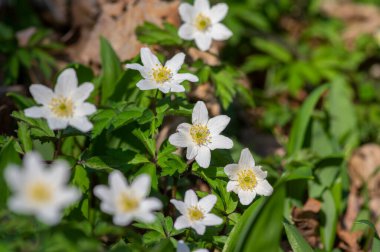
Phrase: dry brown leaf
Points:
(359, 18)
(348, 240)
(307, 222)
(117, 22)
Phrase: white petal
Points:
(203, 41)
(186, 12)
(220, 32)
(179, 139)
(41, 93)
(200, 113)
(175, 63)
(145, 217)
(83, 92)
(203, 157)
(231, 170)
(246, 197)
(199, 228)
(117, 181)
(179, 77)
(102, 192)
(57, 123)
(182, 247)
(212, 220)
(146, 85)
(108, 207)
(232, 186)
(175, 88)
(181, 222)
(68, 196)
(141, 185)
(186, 32)
(264, 188)
(260, 174)
(33, 165)
(201, 5)
(50, 216)
(180, 205)
(19, 205)
(59, 172)
(13, 177)
(139, 68)
(246, 159)
(85, 109)
(218, 12)
(164, 88)
(184, 128)
(81, 123)
(122, 219)
(67, 83)
(151, 204)
(192, 151)
(217, 124)
(191, 199)
(220, 142)
(36, 112)
(207, 203)
(148, 58)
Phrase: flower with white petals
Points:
(65, 106)
(125, 202)
(196, 214)
(182, 247)
(202, 23)
(156, 76)
(246, 179)
(202, 136)
(40, 191)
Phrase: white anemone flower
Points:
(125, 202)
(65, 105)
(196, 214)
(202, 136)
(246, 179)
(38, 190)
(156, 76)
(202, 23)
(182, 247)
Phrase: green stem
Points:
(58, 143)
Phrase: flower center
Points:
(195, 214)
(40, 192)
(62, 107)
(202, 22)
(127, 203)
(162, 74)
(247, 179)
(200, 134)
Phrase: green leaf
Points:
(225, 81)
(376, 238)
(296, 240)
(298, 131)
(152, 34)
(24, 136)
(111, 69)
(260, 226)
(21, 101)
(329, 220)
(273, 49)
(8, 155)
(148, 142)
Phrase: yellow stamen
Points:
(161, 74)
(62, 107)
(202, 22)
(127, 203)
(195, 214)
(247, 179)
(40, 192)
(200, 134)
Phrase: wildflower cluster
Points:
(44, 191)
